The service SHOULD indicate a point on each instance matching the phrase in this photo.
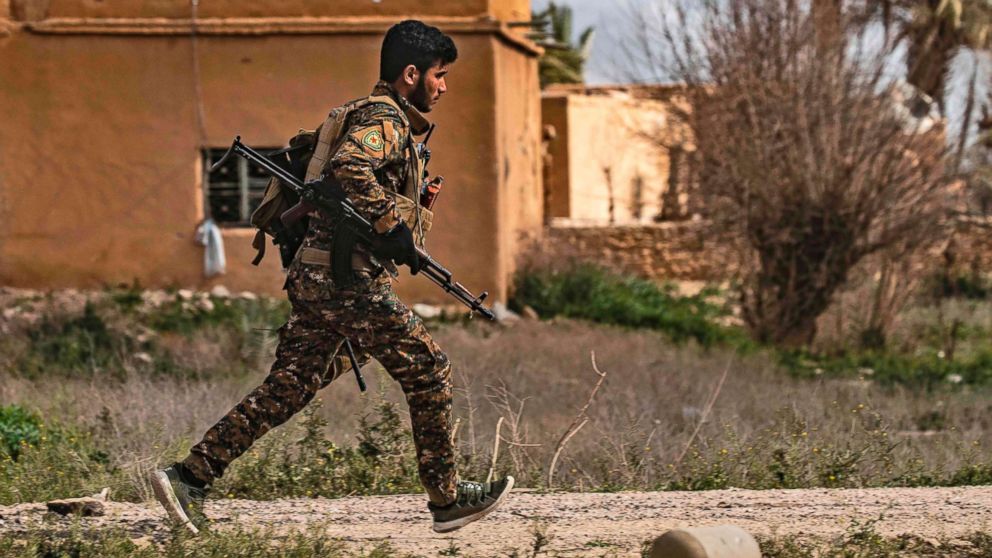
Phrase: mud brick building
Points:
(112, 109)
(621, 155)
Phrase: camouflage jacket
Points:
(372, 160)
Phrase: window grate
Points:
(235, 189)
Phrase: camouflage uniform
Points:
(372, 159)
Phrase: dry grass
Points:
(765, 428)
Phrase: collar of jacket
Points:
(418, 123)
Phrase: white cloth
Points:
(208, 235)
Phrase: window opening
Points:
(234, 190)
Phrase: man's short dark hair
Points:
(414, 42)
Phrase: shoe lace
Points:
(471, 492)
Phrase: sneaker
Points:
(181, 500)
(475, 501)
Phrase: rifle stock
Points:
(295, 213)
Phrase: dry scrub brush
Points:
(746, 424)
(806, 151)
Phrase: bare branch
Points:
(808, 153)
(492, 464)
(706, 410)
(578, 422)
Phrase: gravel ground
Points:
(575, 524)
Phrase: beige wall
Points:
(270, 8)
(518, 161)
(100, 155)
(606, 144)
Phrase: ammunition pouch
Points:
(416, 216)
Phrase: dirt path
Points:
(580, 524)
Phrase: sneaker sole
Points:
(167, 497)
(448, 526)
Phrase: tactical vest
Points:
(306, 157)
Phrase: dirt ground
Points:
(575, 524)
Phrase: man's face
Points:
(430, 87)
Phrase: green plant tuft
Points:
(589, 292)
(236, 542)
(18, 428)
(383, 461)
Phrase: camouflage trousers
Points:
(379, 325)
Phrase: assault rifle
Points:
(331, 200)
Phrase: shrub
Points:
(590, 292)
(62, 462)
(928, 370)
(972, 475)
(118, 334)
(18, 428)
(80, 344)
(187, 316)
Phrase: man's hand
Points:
(398, 245)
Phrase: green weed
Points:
(383, 462)
(118, 334)
(60, 462)
(862, 540)
(928, 370)
(235, 542)
(592, 293)
(188, 316)
(75, 345)
(18, 428)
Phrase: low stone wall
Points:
(680, 251)
(689, 251)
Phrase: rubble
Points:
(504, 314)
(220, 291)
(90, 506)
(426, 311)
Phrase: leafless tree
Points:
(808, 154)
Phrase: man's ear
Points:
(410, 75)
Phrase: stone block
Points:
(724, 541)
(86, 507)
(90, 506)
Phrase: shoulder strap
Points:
(329, 132)
(333, 128)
